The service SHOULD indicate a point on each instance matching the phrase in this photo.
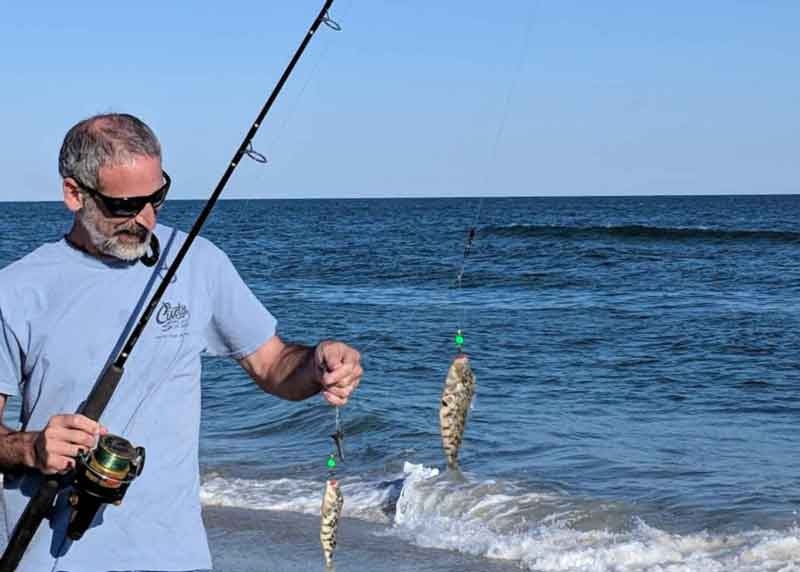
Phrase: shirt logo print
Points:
(172, 315)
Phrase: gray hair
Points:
(104, 140)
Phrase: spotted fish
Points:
(459, 388)
(332, 503)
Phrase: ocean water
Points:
(637, 361)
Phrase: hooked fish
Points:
(332, 502)
(459, 388)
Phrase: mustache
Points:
(136, 230)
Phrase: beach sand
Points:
(245, 540)
(272, 541)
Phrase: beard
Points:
(126, 242)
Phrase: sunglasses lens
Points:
(157, 198)
(131, 210)
(131, 206)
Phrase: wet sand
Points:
(271, 541)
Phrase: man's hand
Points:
(339, 370)
(64, 438)
(295, 372)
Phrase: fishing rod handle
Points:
(101, 393)
(38, 507)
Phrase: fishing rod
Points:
(114, 453)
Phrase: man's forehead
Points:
(132, 164)
(138, 171)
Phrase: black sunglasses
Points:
(129, 206)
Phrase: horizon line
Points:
(417, 197)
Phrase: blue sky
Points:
(593, 98)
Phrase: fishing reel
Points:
(102, 476)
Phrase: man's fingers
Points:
(342, 371)
(58, 464)
(65, 437)
(334, 399)
(72, 437)
(56, 458)
(351, 356)
(339, 393)
(331, 356)
(77, 421)
(65, 450)
(336, 354)
(54, 439)
(343, 376)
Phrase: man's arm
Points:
(295, 372)
(52, 450)
(16, 447)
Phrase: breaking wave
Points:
(636, 231)
(540, 531)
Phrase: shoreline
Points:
(244, 540)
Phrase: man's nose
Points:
(147, 217)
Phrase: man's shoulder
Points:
(32, 263)
(25, 282)
(202, 249)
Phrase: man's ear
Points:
(73, 197)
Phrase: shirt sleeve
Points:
(11, 358)
(240, 324)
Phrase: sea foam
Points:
(540, 531)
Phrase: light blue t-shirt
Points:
(64, 315)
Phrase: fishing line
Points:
(459, 385)
(472, 230)
(338, 440)
(490, 167)
(277, 134)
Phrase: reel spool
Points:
(102, 476)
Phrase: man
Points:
(65, 311)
